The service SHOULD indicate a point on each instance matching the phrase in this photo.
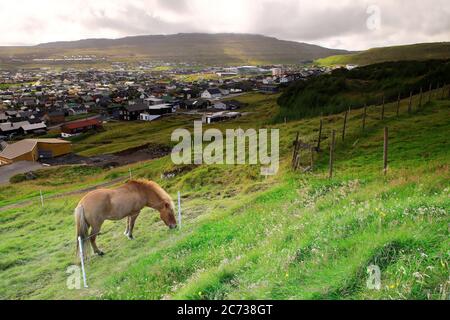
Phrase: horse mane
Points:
(147, 185)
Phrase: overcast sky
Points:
(356, 25)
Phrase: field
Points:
(421, 51)
(369, 85)
(291, 236)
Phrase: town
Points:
(42, 109)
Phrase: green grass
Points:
(421, 51)
(292, 236)
(341, 89)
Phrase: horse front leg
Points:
(131, 221)
(127, 230)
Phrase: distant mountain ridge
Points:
(183, 47)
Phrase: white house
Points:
(212, 93)
(145, 116)
(219, 105)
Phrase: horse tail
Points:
(82, 229)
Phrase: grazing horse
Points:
(126, 201)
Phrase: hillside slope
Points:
(293, 236)
(420, 51)
(188, 47)
(366, 85)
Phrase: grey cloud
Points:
(316, 21)
(135, 22)
(174, 5)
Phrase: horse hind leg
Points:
(93, 237)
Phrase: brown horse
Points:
(126, 201)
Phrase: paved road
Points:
(6, 172)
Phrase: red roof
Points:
(82, 124)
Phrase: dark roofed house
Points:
(77, 110)
(196, 104)
(212, 93)
(268, 89)
(78, 127)
(234, 104)
(36, 128)
(160, 109)
(54, 117)
(132, 112)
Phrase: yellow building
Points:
(34, 149)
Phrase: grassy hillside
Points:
(292, 236)
(189, 47)
(421, 51)
(343, 89)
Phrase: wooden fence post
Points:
(382, 108)
(385, 151)
(410, 102)
(320, 134)
(294, 156)
(333, 138)
(364, 117)
(42, 198)
(429, 93)
(345, 125)
(420, 99)
(398, 104)
(297, 159)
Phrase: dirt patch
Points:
(178, 171)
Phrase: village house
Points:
(152, 101)
(219, 116)
(34, 149)
(35, 128)
(77, 110)
(270, 89)
(54, 117)
(75, 128)
(132, 112)
(212, 93)
(146, 116)
(9, 128)
(218, 105)
(160, 109)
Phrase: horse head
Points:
(167, 214)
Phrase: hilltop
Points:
(420, 51)
(204, 48)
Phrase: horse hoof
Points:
(100, 253)
(130, 237)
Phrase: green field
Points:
(292, 236)
(342, 89)
(421, 51)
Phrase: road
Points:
(10, 170)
